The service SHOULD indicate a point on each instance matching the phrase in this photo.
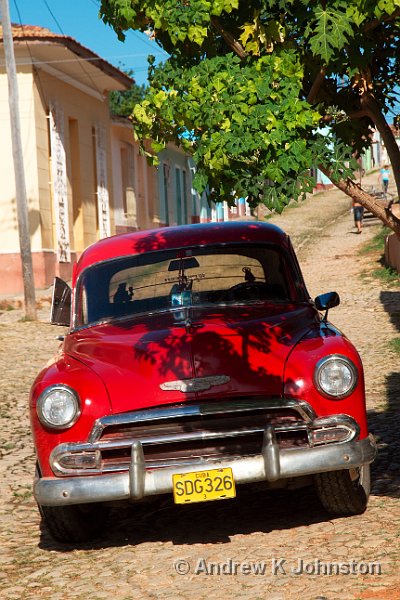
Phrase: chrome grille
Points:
(194, 434)
(198, 435)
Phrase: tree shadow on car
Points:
(255, 510)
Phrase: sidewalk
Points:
(318, 213)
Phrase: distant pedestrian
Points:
(358, 212)
(384, 176)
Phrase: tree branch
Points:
(359, 114)
(229, 39)
(318, 81)
(354, 191)
(376, 22)
(369, 104)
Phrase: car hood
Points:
(239, 351)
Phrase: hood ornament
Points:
(197, 384)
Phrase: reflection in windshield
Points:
(162, 280)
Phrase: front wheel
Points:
(76, 523)
(344, 492)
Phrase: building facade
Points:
(135, 182)
(66, 138)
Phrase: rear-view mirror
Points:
(183, 263)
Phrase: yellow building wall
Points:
(84, 110)
(9, 240)
(144, 194)
(35, 95)
(82, 113)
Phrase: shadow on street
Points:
(254, 510)
(385, 425)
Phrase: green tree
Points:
(123, 103)
(250, 83)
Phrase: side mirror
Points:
(61, 303)
(327, 301)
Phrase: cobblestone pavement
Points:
(268, 531)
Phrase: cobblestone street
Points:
(136, 556)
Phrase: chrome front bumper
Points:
(271, 465)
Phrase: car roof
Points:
(165, 238)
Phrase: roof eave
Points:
(80, 51)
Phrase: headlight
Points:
(58, 407)
(335, 376)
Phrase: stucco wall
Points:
(87, 112)
(9, 240)
(392, 251)
(139, 185)
(83, 110)
(174, 159)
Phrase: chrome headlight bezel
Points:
(347, 363)
(45, 397)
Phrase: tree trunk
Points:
(370, 105)
(371, 109)
(369, 202)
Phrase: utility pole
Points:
(20, 186)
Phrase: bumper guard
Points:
(272, 464)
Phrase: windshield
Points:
(164, 280)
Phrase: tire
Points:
(73, 524)
(77, 523)
(344, 492)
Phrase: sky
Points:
(79, 19)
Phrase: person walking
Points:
(384, 178)
(358, 212)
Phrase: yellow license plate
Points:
(202, 486)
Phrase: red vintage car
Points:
(195, 361)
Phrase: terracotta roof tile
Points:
(34, 31)
(38, 34)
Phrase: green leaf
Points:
(331, 32)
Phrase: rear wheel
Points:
(76, 523)
(344, 492)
